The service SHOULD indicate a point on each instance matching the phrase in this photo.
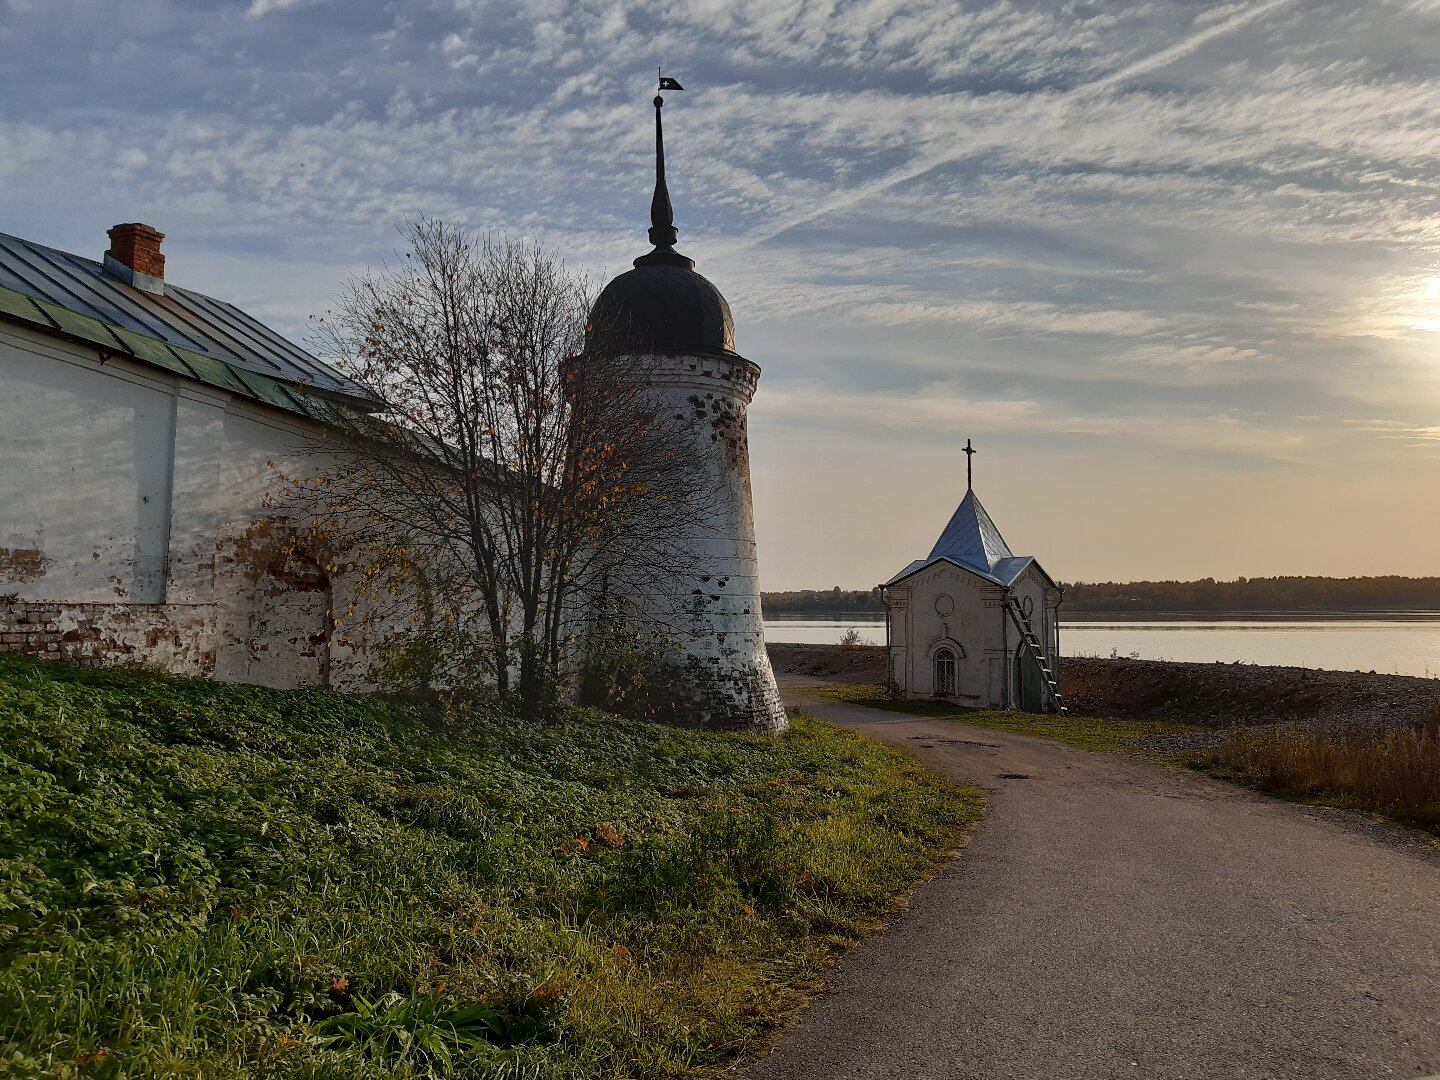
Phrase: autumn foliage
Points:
(519, 481)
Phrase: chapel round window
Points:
(944, 605)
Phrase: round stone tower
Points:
(674, 323)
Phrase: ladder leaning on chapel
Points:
(1037, 653)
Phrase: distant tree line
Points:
(1390, 593)
(821, 602)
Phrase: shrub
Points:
(1395, 772)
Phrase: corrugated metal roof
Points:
(1007, 570)
(181, 318)
(282, 394)
(920, 564)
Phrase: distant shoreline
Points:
(1389, 596)
(1216, 695)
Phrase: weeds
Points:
(226, 881)
(1394, 772)
(427, 1034)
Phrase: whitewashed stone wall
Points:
(714, 662)
(132, 522)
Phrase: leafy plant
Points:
(426, 1031)
(229, 881)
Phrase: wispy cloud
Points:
(258, 9)
(1057, 106)
(1089, 231)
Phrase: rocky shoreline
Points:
(1216, 696)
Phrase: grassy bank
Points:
(1090, 732)
(1394, 773)
(223, 881)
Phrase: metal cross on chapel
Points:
(970, 453)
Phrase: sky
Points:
(1172, 265)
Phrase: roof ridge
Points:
(49, 247)
(100, 266)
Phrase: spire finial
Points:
(663, 233)
(970, 453)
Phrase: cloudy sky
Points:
(1174, 265)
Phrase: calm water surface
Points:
(1402, 644)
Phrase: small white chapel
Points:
(971, 623)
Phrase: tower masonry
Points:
(674, 324)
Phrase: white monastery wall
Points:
(133, 524)
(83, 489)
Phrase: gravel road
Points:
(1114, 918)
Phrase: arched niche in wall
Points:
(275, 605)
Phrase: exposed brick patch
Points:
(21, 564)
(178, 637)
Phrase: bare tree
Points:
(516, 485)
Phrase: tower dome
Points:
(662, 308)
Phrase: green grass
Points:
(202, 880)
(1089, 732)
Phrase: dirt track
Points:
(1114, 918)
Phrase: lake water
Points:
(1398, 644)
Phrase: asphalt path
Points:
(1115, 918)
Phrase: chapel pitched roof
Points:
(972, 541)
(971, 537)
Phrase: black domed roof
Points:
(661, 308)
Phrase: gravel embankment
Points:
(1217, 696)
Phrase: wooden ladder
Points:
(1027, 634)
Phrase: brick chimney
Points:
(134, 256)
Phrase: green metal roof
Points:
(56, 319)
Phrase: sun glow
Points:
(1429, 306)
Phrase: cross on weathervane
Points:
(970, 453)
